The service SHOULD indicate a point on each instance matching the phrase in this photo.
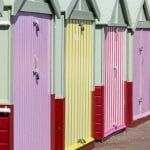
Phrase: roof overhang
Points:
(53, 3)
(126, 11)
(147, 8)
(106, 8)
(73, 3)
(70, 8)
(95, 8)
(1, 7)
(17, 6)
(56, 7)
(133, 17)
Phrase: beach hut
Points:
(26, 37)
(138, 91)
(74, 58)
(110, 69)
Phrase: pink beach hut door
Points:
(31, 80)
(114, 80)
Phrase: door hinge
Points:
(140, 49)
(140, 100)
(81, 140)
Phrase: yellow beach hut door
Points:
(78, 84)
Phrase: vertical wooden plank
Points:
(66, 81)
(76, 78)
(69, 84)
(58, 62)
(90, 75)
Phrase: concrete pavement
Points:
(137, 138)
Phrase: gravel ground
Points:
(137, 138)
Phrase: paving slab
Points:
(137, 138)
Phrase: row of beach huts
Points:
(72, 71)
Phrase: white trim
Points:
(51, 85)
(59, 97)
(63, 58)
(4, 23)
(5, 101)
(140, 116)
(93, 53)
(5, 110)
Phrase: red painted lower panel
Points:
(4, 136)
(6, 129)
(4, 123)
(98, 113)
(4, 146)
(139, 121)
(93, 114)
(128, 103)
(59, 124)
(129, 107)
(53, 122)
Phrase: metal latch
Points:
(140, 100)
(5, 110)
(81, 140)
(115, 126)
(36, 74)
(115, 70)
(36, 24)
(140, 49)
(35, 71)
(81, 24)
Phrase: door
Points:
(31, 81)
(78, 83)
(141, 74)
(146, 72)
(137, 72)
(114, 80)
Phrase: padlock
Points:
(35, 23)
(34, 73)
(37, 76)
(37, 27)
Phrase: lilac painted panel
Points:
(31, 100)
(146, 71)
(114, 80)
(137, 72)
(141, 74)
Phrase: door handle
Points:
(115, 70)
(81, 140)
(140, 49)
(140, 100)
